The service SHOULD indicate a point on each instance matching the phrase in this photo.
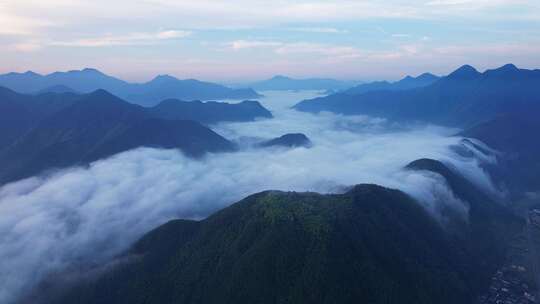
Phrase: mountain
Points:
(210, 112)
(369, 245)
(463, 98)
(19, 112)
(57, 89)
(291, 140)
(404, 84)
(167, 87)
(283, 83)
(514, 136)
(489, 220)
(189, 136)
(148, 94)
(92, 126)
(84, 81)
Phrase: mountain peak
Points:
(280, 77)
(427, 76)
(88, 71)
(164, 77)
(507, 68)
(30, 73)
(464, 72)
(290, 140)
(506, 71)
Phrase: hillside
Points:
(94, 126)
(369, 245)
(209, 112)
(513, 134)
(19, 113)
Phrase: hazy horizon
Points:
(254, 80)
(245, 41)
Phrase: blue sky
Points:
(240, 40)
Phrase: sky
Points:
(246, 40)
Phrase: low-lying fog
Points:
(88, 215)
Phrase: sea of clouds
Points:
(90, 214)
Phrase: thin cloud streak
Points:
(120, 40)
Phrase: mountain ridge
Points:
(371, 244)
(463, 98)
(147, 93)
(62, 130)
(281, 82)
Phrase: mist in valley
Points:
(61, 219)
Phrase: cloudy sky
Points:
(240, 40)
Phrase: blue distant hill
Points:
(462, 98)
(146, 94)
(57, 130)
(284, 83)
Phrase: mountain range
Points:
(282, 83)
(463, 98)
(408, 82)
(146, 94)
(210, 112)
(368, 245)
(55, 130)
(500, 107)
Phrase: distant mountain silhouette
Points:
(77, 129)
(147, 94)
(210, 112)
(288, 140)
(20, 112)
(369, 245)
(167, 87)
(404, 84)
(463, 98)
(280, 83)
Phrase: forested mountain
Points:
(369, 245)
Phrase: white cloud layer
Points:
(88, 215)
